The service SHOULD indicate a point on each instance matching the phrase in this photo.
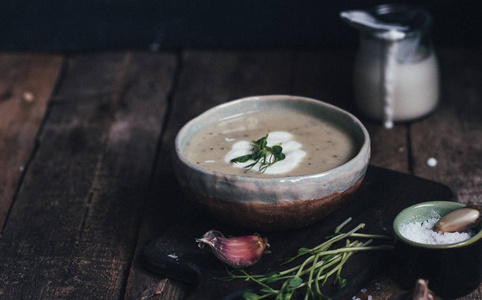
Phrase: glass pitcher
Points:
(396, 74)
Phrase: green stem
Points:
(320, 259)
(336, 251)
(338, 229)
(258, 282)
(371, 236)
(339, 237)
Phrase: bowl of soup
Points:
(228, 160)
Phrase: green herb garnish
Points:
(263, 154)
(317, 265)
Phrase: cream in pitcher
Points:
(396, 75)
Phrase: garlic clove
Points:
(208, 236)
(243, 251)
(420, 292)
(458, 220)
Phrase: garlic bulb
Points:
(243, 251)
(420, 292)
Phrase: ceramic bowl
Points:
(452, 270)
(279, 203)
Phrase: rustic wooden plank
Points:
(86, 187)
(392, 147)
(453, 135)
(375, 204)
(73, 248)
(208, 78)
(25, 86)
(299, 79)
(328, 75)
(220, 76)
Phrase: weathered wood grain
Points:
(453, 135)
(99, 182)
(376, 204)
(26, 82)
(225, 75)
(73, 230)
(328, 75)
(390, 148)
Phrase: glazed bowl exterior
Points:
(452, 270)
(276, 203)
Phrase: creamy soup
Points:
(310, 144)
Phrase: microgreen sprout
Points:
(263, 154)
(309, 275)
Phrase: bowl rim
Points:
(455, 205)
(364, 147)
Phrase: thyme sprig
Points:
(263, 154)
(319, 264)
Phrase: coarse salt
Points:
(432, 162)
(173, 255)
(422, 232)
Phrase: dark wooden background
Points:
(86, 134)
(60, 25)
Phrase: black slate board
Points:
(382, 195)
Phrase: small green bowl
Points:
(452, 270)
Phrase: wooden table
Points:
(85, 153)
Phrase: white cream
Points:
(389, 76)
(388, 90)
(311, 144)
(291, 149)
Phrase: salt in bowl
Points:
(452, 270)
